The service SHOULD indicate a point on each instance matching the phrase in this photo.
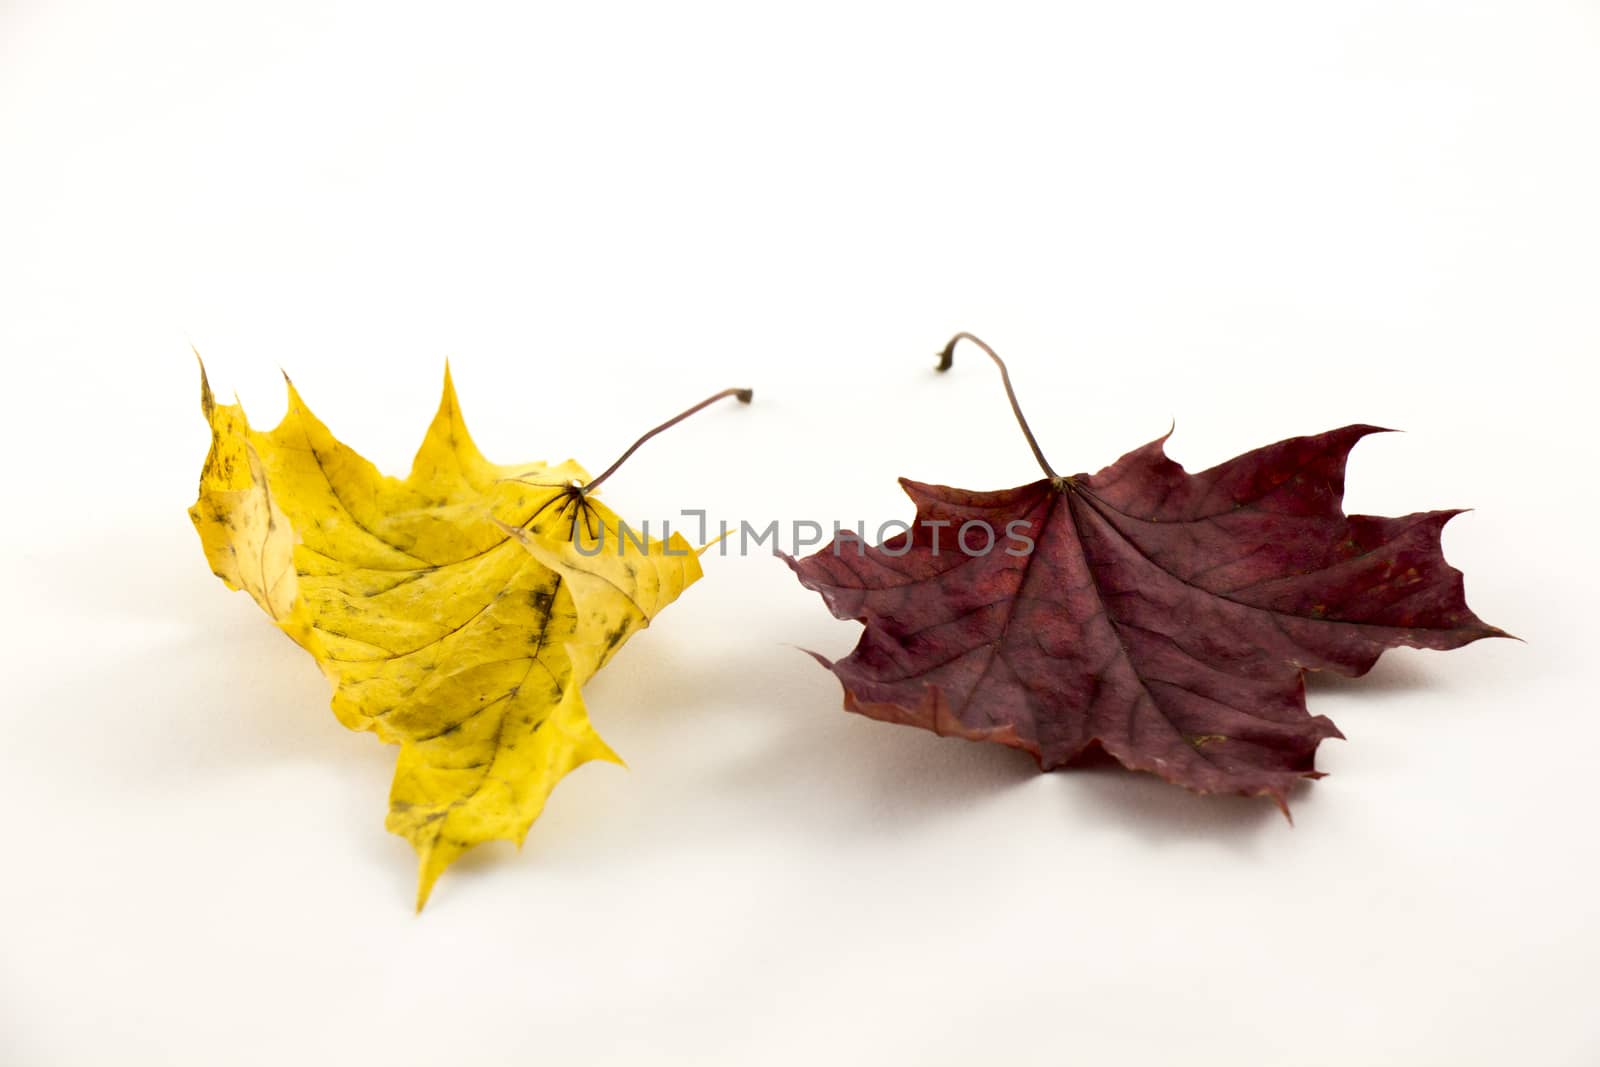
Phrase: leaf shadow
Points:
(1158, 812)
(234, 695)
(214, 694)
(1397, 671)
(223, 693)
(208, 686)
(804, 766)
(779, 744)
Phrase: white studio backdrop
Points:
(1253, 220)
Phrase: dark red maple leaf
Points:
(1164, 617)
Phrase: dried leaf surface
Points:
(444, 626)
(1164, 617)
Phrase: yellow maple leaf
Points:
(457, 612)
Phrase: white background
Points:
(1256, 219)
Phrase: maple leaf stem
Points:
(947, 357)
(744, 395)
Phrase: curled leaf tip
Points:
(207, 402)
(1283, 805)
(427, 876)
